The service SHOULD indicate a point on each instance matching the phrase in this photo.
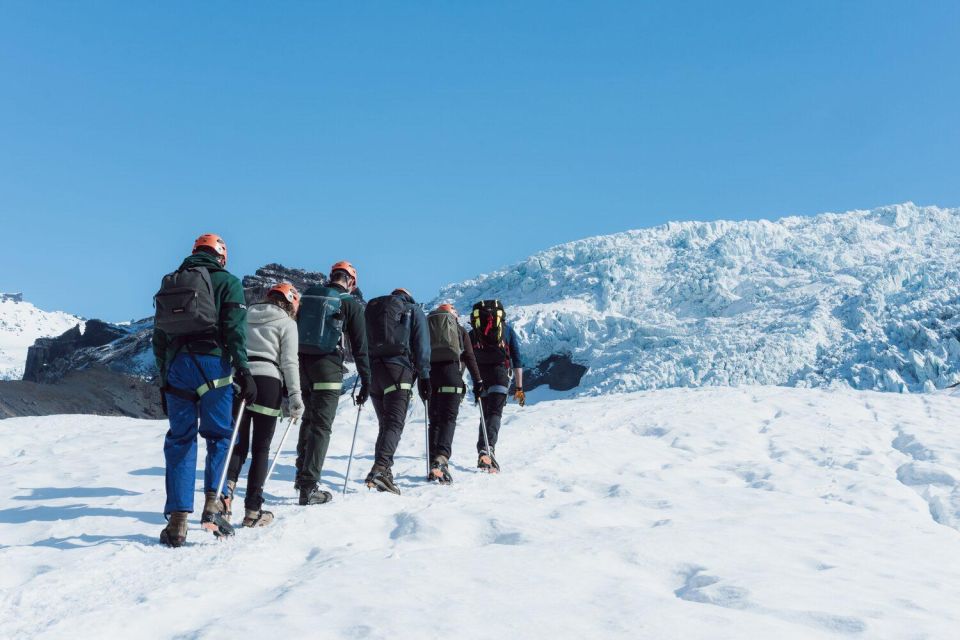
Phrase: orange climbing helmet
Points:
(447, 307)
(343, 265)
(288, 292)
(214, 242)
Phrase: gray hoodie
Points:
(272, 334)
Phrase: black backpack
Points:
(487, 322)
(388, 320)
(185, 305)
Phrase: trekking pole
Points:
(483, 427)
(346, 477)
(276, 456)
(233, 440)
(426, 427)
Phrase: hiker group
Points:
(225, 370)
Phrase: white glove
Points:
(296, 406)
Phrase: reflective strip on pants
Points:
(266, 411)
(327, 386)
(404, 386)
(216, 384)
(450, 390)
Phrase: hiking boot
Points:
(175, 533)
(213, 519)
(258, 518)
(382, 480)
(439, 471)
(227, 500)
(487, 462)
(314, 495)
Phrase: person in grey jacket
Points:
(272, 343)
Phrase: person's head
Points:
(344, 274)
(285, 296)
(446, 307)
(214, 245)
(400, 291)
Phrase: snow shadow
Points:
(84, 540)
(22, 515)
(53, 493)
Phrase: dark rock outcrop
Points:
(559, 372)
(255, 287)
(49, 358)
(91, 391)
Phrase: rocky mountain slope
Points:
(21, 323)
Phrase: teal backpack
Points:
(320, 320)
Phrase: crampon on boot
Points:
(258, 518)
(175, 533)
(439, 471)
(314, 495)
(381, 480)
(487, 462)
(213, 519)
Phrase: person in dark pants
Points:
(399, 353)
(338, 315)
(450, 353)
(497, 349)
(272, 342)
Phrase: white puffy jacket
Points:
(272, 334)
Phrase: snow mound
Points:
(867, 299)
(756, 512)
(21, 323)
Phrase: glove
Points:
(163, 402)
(295, 403)
(247, 386)
(477, 390)
(520, 396)
(362, 395)
(424, 387)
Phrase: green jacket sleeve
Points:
(357, 331)
(233, 320)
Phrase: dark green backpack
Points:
(320, 320)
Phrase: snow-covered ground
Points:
(870, 299)
(752, 512)
(21, 323)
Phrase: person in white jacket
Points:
(272, 344)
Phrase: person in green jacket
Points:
(199, 336)
(321, 370)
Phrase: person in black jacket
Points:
(450, 352)
(495, 358)
(394, 368)
(321, 378)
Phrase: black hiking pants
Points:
(448, 391)
(321, 379)
(259, 421)
(391, 391)
(497, 382)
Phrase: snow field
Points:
(747, 512)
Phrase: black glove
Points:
(424, 386)
(247, 385)
(163, 401)
(477, 390)
(362, 395)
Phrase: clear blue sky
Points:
(432, 141)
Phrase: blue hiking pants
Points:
(211, 417)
